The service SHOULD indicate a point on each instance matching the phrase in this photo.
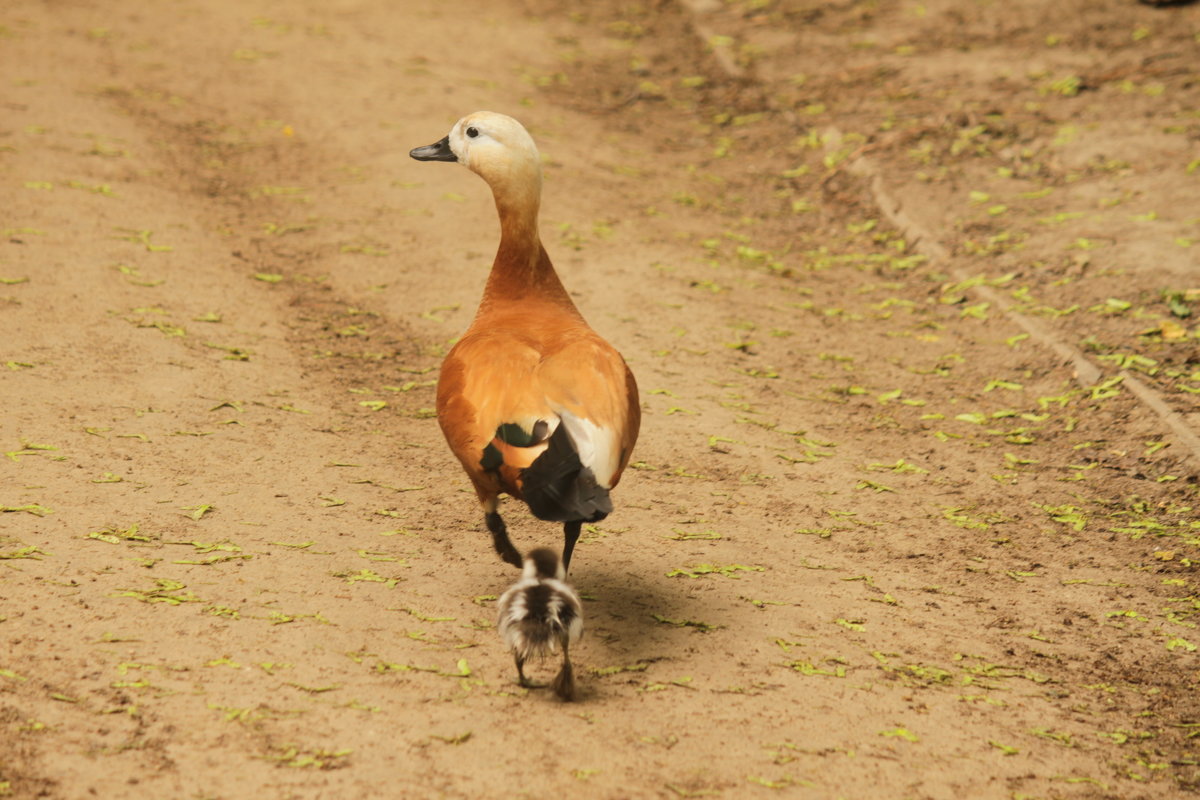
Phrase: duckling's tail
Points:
(564, 682)
(528, 638)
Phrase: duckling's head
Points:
(543, 563)
(494, 146)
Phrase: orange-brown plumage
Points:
(532, 401)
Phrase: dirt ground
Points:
(910, 289)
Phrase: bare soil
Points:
(879, 540)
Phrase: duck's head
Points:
(494, 146)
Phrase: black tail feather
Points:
(558, 488)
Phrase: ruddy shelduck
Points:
(532, 401)
(539, 614)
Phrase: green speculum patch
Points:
(511, 433)
(514, 434)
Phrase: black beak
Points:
(438, 151)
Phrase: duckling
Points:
(539, 613)
(532, 401)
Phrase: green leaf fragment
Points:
(29, 449)
(291, 756)
(601, 672)
(414, 613)
(368, 576)
(207, 562)
(224, 661)
(682, 792)
(29, 508)
(232, 353)
(31, 552)
(116, 535)
(901, 466)
(1013, 341)
(375, 555)
(387, 666)
(682, 536)
(198, 512)
(713, 569)
(808, 668)
(1054, 736)
(782, 783)
(703, 627)
(900, 733)
(166, 591)
(1066, 514)
(143, 238)
(314, 689)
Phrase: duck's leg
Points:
(564, 681)
(500, 540)
(571, 532)
(521, 679)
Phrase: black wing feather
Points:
(558, 488)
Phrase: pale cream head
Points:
(502, 152)
(498, 149)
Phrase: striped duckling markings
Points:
(532, 401)
(539, 614)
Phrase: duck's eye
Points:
(472, 132)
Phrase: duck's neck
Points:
(522, 268)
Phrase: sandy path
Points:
(239, 562)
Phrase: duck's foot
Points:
(564, 682)
(522, 679)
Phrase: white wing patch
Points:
(598, 447)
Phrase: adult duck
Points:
(532, 401)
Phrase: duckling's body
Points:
(532, 401)
(539, 614)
